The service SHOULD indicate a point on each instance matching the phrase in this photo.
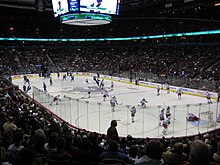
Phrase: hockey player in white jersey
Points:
(167, 88)
(208, 97)
(113, 102)
(105, 94)
(133, 112)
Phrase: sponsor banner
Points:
(85, 73)
(114, 78)
(154, 84)
(144, 82)
(106, 76)
(124, 79)
(32, 75)
(201, 92)
(17, 76)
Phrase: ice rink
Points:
(94, 114)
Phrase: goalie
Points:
(191, 117)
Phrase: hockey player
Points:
(70, 74)
(208, 97)
(102, 84)
(112, 86)
(179, 93)
(89, 94)
(97, 81)
(28, 88)
(44, 87)
(161, 116)
(105, 94)
(191, 117)
(218, 94)
(94, 78)
(218, 118)
(113, 102)
(167, 88)
(56, 99)
(133, 111)
(168, 114)
(87, 81)
(64, 77)
(26, 80)
(158, 90)
(24, 88)
(51, 81)
(144, 103)
(165, 127)
(72, 78)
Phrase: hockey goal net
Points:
(208, 119)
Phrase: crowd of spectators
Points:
(194, 63)
(32, 135)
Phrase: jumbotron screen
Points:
(60, 7)
(100, 6)
(73, 5)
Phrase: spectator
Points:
(9, 125)
(95, 147)
(216, 156)
(114, 152)
(177, 156)
(154, 151)
(27, 156)
(85, 156)
(13, 152)
(38, 147)
(60, 154)
(112, 133)
(51, 145)
(199, 153)
(133, 153)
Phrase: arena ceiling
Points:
(202, 8)
(125, 4)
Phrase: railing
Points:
(96, 116)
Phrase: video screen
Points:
(99, 6)
(73, 5)
(60, 7)
(117, 8)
